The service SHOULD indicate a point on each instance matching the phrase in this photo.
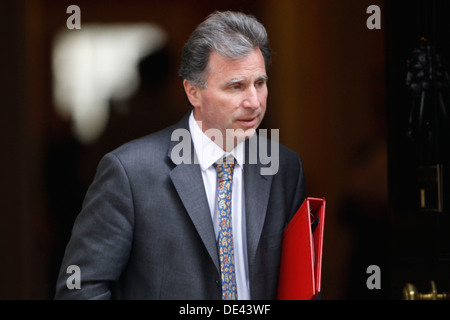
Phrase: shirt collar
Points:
(207, 151)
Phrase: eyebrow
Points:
(237, 80)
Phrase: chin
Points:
(236, 136)
(245, 134)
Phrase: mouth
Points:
(248, 122)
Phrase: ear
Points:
(192, 93)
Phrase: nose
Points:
(251, 99)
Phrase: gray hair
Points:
(233, 35)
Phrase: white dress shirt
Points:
(207, 154)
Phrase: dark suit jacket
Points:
(145, 229)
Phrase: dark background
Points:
(336, 93)
(420, 240)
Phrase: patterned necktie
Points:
(226, 250)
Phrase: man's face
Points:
(235, 96)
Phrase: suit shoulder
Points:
(286, 155)
(154, 145)
(289, 158)
(288, 152)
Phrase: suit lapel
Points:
(257, 191)
(188, 181)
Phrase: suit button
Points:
(218, 283)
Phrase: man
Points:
(152, 226)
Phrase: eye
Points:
(235, 86)
(260, 84)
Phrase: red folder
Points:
(301, 255)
